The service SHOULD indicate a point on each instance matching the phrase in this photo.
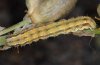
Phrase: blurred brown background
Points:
(60, 50)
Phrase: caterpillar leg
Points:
(4, 48)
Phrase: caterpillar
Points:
(52, 30)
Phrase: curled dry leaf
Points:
(98, 9)
(45, 11)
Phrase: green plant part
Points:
(12, 28)
(2, 40)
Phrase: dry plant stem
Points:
(52, 30)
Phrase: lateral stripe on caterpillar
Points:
(52, 30)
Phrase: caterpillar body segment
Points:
(52, 30)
